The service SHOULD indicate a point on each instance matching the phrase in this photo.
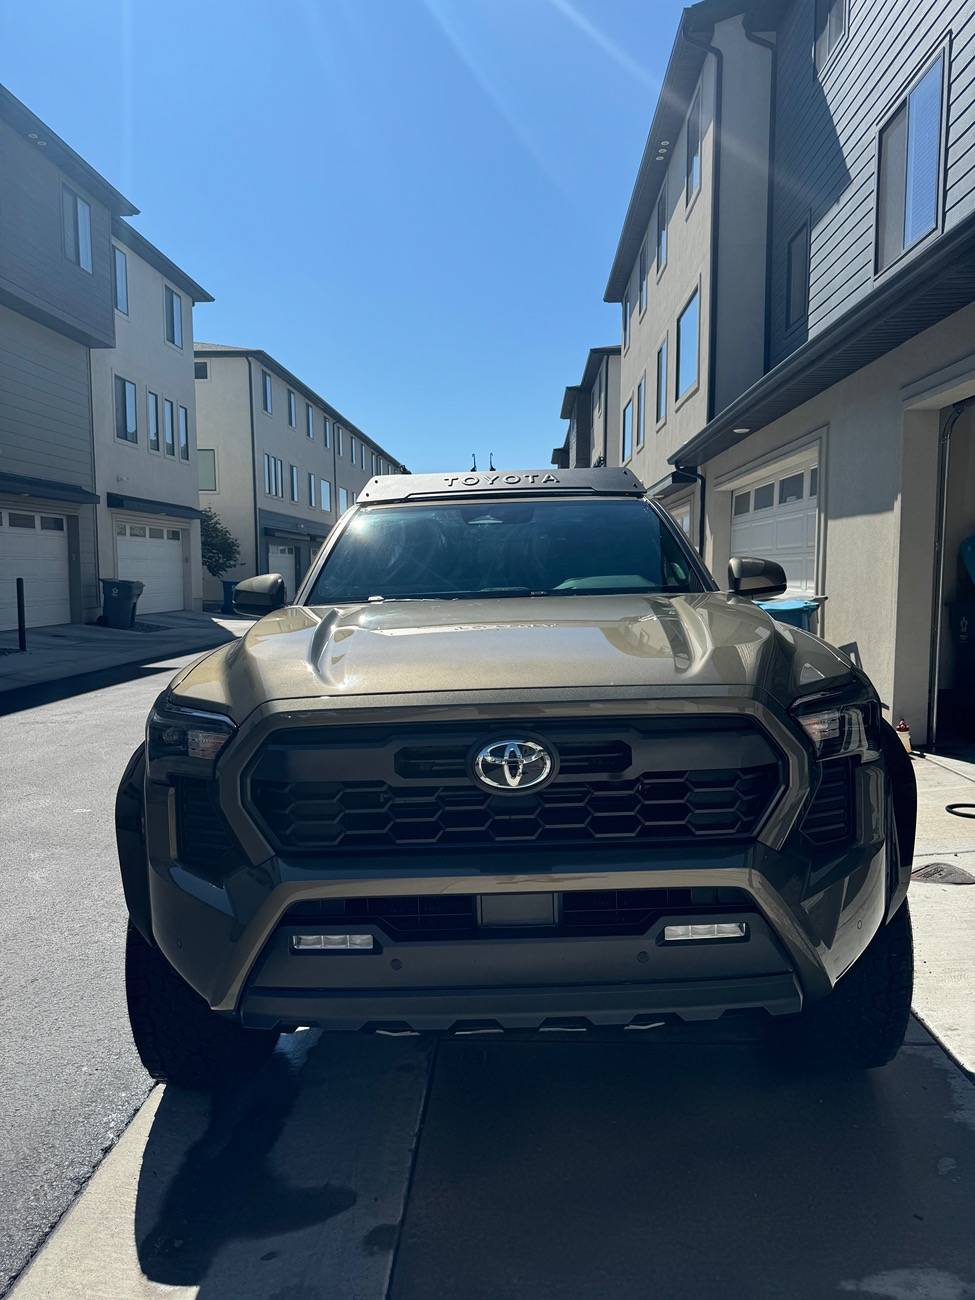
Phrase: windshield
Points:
(489, 549)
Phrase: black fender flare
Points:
(130, 838)
(903, 792)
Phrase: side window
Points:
(126, 419)
(693, 168)
(266, 392)
(120, 280)
(830, 26)
(626, 442)
(687, 345)
(797, 278)
(174, 318)
(910, 167)
(206, 463)
(76, 228)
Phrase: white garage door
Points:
(152, 554)
(34, 546)
(776, 520)
(281, 559)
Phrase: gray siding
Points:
(35, 276)
(826, 144)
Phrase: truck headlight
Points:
(189, 734)
(839, 730)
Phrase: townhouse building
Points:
(278, 463)
(592, 410)
(56, 215)
(144, 410)
(794, 274)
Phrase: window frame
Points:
(325, 494)
(801, 232)
(117, 254)
(624, 424)
(127, 389)
(626, 307)
(201, 459)
(681, 397)
(310, 421)
(152, 422)
(169, 428)
(328, 441)
(292, 409)
(640, 431)
(663, 231)
(173, 316)
(183, 434)
(894, 106)
(661, 382)
(644, 272)
(80, 251)
(693, 112)
(822, 68)
(293, 484)
(267, 393)
(205, 377)
(343, 492)
(312, 488)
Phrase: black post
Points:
(21, 617)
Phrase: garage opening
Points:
(34, 546)
(953, 723)
(152, 553)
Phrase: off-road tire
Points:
(861, 1024)
(178, 1038)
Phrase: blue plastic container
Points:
(798, 612)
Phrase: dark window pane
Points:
(765, 496)
(890, 207)
(201, 370)
(52, 524)
(121, 281)
(173, 535)
(152, 415)
(661, 382)
(687, 346)
(798, 278)
(157, 534)
(790, 489)
(741, 504)
(694, 147)
(626, 447)
(814, 481)
(21, 521)
(137, 530)
(184, 434)
(662, 227)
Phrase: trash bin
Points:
(799, 612)
(119, 596)
(229, 584)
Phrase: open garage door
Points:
(152, 553)
(776, 519)
(34, 546)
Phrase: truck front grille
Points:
(205, 841)
(332, 788)
(428, 917)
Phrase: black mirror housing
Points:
(750, 576)
(260, 595)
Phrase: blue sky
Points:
(413, 204)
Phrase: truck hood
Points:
(657, 643)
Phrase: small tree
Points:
(220, 548)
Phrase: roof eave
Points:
(132, 238)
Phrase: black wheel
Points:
(862, 1023)
(178, 1038)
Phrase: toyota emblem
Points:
(513, 765)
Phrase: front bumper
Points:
(810, 914)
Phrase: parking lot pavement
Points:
(689, 1165)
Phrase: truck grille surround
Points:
(337, 789)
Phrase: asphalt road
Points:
(69, 1076)
(686, 1163)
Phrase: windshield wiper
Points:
(483, 593)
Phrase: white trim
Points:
(941, 387)
(800, 453)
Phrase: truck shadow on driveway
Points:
(692, 1165)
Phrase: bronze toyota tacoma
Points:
(512, 761)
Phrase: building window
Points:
(661, 398)
(830, 26)
(641, 410)
(120, 280)
(325, 427)
(266, 391)
(292, 410)
(325, 493)
(338, 439)
(764, 497)
(910, 168)
(311, 489)
(814, 481)
(693, 148)
(595, 406)
(184, 433)
(362, 457)
(277, 474)
(797, 278)
(76, 222)
(343, 500)
(169, 434)
(309, 420)
(126, 419)
(790, 488)
(662, 226)
(206, 464)
(201, 370)
(174, 318)
(267, 473)
(687, 345)
(626, 320)
(626, 444)
(644, 272)
(152, 417)
(294, 482)
(352, 448)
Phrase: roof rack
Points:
(536, 482)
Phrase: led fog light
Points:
(332, 942)
(709, 930)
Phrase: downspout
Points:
(944, 463)
(704, 43)
(257, 525)
(773, 80)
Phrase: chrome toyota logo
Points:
(513, 765)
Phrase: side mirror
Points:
(749, 576)
(260, 595)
